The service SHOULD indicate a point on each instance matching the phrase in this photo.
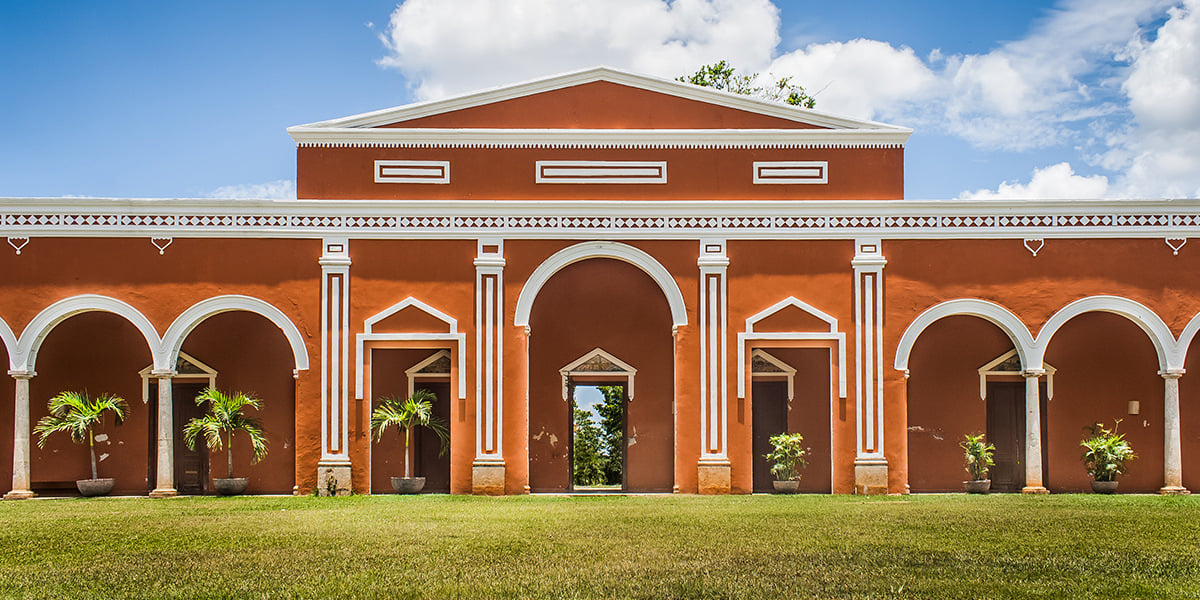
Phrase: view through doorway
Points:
(598, 438)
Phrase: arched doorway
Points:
(610, 304)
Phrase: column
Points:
(870, 465)
(713, 471)
(1172, 450)
(164, 486)
(20, 474)
(1033, 433)
(487, 471)
(334, 468)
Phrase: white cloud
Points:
(451, 46)
(282, 189)
(1053, 182)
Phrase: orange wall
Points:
(7, 399)
(508, 174)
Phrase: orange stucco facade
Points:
(742, 268)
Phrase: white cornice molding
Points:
(336, 137)
(598, 219)
(655, 84)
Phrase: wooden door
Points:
(191, 466)
(429, 462)
(769, 407)
(1006, 431)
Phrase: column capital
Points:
(22, 374)
(1172, 373)
(163, 373)
(1033, 373)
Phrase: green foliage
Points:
(1105, 452)
(226, 416)
(978, 454)
(788, 457)
(720, 75)
(612, 428)
(77, 414)
(406, 414)
(588, 463)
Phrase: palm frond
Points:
(226, 416)
(77, 414)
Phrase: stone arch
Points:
(1146, 319)
(35, 333)
(614, 250)
(10, 342)
(1179, 356)
(192, 317)
(990, 311)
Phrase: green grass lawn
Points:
(953, 546)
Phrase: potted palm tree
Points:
(225, 417)
(406, 414)
(1105, 453)
(979, 459)
(77, 414)
(787, 457)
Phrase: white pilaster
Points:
(20, 473)
(1172, 448)
(164, 486)
(335, 384)
(714, 467)
(487, 472)
(1033, 433)
(870, 465)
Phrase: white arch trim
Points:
(1160, 335)
(989, 311)
(1185, 341)
(198, 312)
(623, 252)
(35, 333)
(10, 343)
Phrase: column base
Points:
(1034, 489)
(333, 479)
(871, 477)
(487, 478)
(1172, 490)
(164, 493)
(19, 495)
(713, 477)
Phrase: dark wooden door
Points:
(191, 466)
(1006, 431)
(769, 407)
(430, 463)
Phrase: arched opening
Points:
(94, 352)
(398, 373)
(791, 391)
(7, 414)
(250, 354)
(1107, 370)
(944, 402)
(614, 305)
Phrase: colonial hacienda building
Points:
(741, 268)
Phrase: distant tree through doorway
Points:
(599, 431)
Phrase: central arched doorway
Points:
(610, 304)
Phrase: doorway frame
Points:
(572, 375)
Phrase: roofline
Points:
(545, 84)
(599, 138)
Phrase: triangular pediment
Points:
(600, 98)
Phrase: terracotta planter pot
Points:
(408, 485)
(1104, 487)
(231, 486)
(978, 486)
(786, 487)
(95, 487)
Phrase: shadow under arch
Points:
(196, 314)
(989, 311)
(1146, 320)
(35, 333)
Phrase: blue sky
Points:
(1032, 99)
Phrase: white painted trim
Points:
(413, 373)
(1179, 356)
(834, 335)
(716, 139)
(209, 374)
(10, 343)
(570, 370)
(197, 313)
(586, 250)
(600, 171)
(1147, 320)
(601, 73)
(791, 172)
(988, 371)
(369, 335)
(999, 316)
(788, 370)
(25, 358)
(412, 171)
